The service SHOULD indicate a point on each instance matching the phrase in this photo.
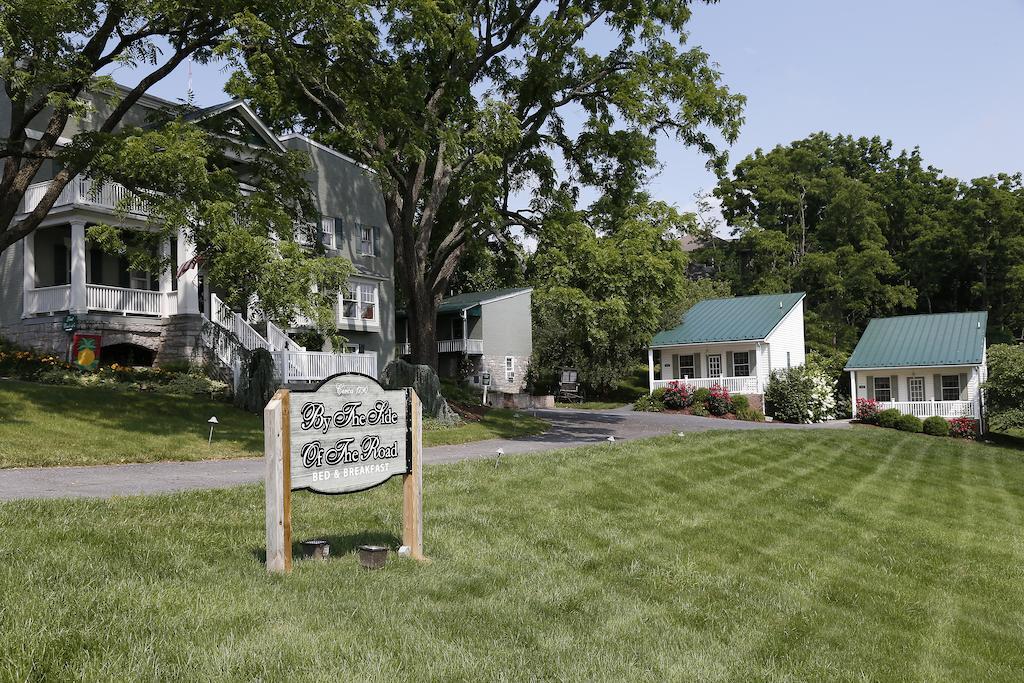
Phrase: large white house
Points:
(735, 342)
(922, 365)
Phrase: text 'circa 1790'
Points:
(348, 435)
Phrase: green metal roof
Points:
(738, 318)
(460, 302)
(922, 341)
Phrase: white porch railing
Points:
(734, 385)
(280, 341)
(48, 299)
(82, 192)
(403, 348)
(103, 298)
(235, 323)
(128, 301)
(313, 366)
(471, 346)
(947, 409)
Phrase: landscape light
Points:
(213, 423)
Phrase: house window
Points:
(366, 241)
(686, 367)
(510, 369)
(327, 232)
(883, 389)
(359, 301)
(138, 279)
(353, 348)
(951, 387)
(741, 364)
(915, 388)
(715, 365)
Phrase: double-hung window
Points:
(366, 241)
(327, 232)
(883, 389)
(951, 387)
(686, 366)
(359, 301)
(741, 364)
(510, 369)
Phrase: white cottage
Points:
(735, 342)
(922, 365)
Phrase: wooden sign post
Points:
(345, 436)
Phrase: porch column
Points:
(78, 297)
(853, 393)
(29, 273)
(188, 282)
(650, 369)
(165, 278)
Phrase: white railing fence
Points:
(403, 348)
(124, 300)
(313, 366)
(279, 341)
(49, 299)
(734, 385)
(248, 337)
(947, 409)
(83, 191)
(460, 346)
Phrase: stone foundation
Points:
(173, 339)
(756, 401)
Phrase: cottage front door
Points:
(715, 365)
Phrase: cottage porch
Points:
(732, 366)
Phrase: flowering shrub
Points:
(963, 428)
(867, 410)
(718, 402)
(801, 394)
(29, 364)
(676, 396)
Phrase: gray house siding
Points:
(345, 190)
(507, 333)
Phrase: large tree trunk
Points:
(423, 325)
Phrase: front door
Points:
(715, 365)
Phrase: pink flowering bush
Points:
(719, 402)
(867, 410)
(677, 396)
(963, 428)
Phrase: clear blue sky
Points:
(945, 76)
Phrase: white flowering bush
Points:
(802, 394)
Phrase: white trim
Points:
(330, 150)
(786, 313)
(527, 290)
(707, 343)
(261, 127)
(915, 367)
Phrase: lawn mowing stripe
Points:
(819, 568)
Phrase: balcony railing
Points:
(470, 346)
(948, 409)
(103, 298)
(473, 347)
(313, 366)
(83, 192)
(734, 385)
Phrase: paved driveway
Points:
(568, 428)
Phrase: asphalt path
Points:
(569, 428)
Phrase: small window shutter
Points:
(320, 232)
(728, 363)
(696, 365)
(752, 360)
(376, 241)
(893, 382)
(938, 387)
(963, 386)
(339, 233)
(675, 366)
(871, 387)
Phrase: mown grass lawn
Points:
(496, 423)
(46, 425)
(796, 555)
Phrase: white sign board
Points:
(348, 435)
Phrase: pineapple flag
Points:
(85, 351)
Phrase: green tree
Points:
(1004, 388)
(462, 108)
(600, 294)
(54, 55)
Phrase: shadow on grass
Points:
(1005, 440)
(340, 545)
